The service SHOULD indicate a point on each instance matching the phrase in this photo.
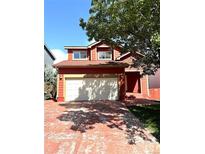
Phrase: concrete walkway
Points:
(97, 127)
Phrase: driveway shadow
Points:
(113, 114)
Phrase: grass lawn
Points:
(149, 115)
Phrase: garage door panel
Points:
(92, 89)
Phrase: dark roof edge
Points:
(85, 47)
(92, 66)
(49, 52)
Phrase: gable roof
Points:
(49, 52)
(127, 53)
(95, 43)
(83, 47)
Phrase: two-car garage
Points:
(96, 80)
(77, 89)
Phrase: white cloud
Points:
(59, 55)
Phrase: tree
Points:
(132, 24)
(50, 81)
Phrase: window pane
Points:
(76, 55)
(108, 55)
(100, 55)
(83, 55)
(80, 54)
(105, 55)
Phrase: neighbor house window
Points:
(82, 55)
(104, 55)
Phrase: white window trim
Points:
(106, 58)
(80, 58)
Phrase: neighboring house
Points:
(98, 72)
(154, 85)
(49, 88)
(48, 56)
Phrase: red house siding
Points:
(90, 70)
(60, 89)
(154, 93)
(89, 54)
(121, 80)
(116, 53)
(70, 54)
(154, 85)
(93, 53)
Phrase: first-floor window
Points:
(80, 54)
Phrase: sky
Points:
(61, 25)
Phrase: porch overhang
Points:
(133, 70)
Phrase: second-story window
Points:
(79, 55)
(105, 55)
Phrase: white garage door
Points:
(91, 89)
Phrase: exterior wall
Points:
(116, 53)
(60, 88)
(89, 54)
(93, 52)
(70, 54)
(122, 92)
(48, 61)
(154, 80)
(154, 93)
(84, 72)
(144, 86)
(90, 70)
(154, 85)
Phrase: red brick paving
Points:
(98, 127)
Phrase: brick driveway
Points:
(104, 127)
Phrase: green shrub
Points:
(50, 81)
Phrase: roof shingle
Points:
(86, 63)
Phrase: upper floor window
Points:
(104, 55)
(80, 55)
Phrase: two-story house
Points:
(98, 72)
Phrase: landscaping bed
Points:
(149, 115)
